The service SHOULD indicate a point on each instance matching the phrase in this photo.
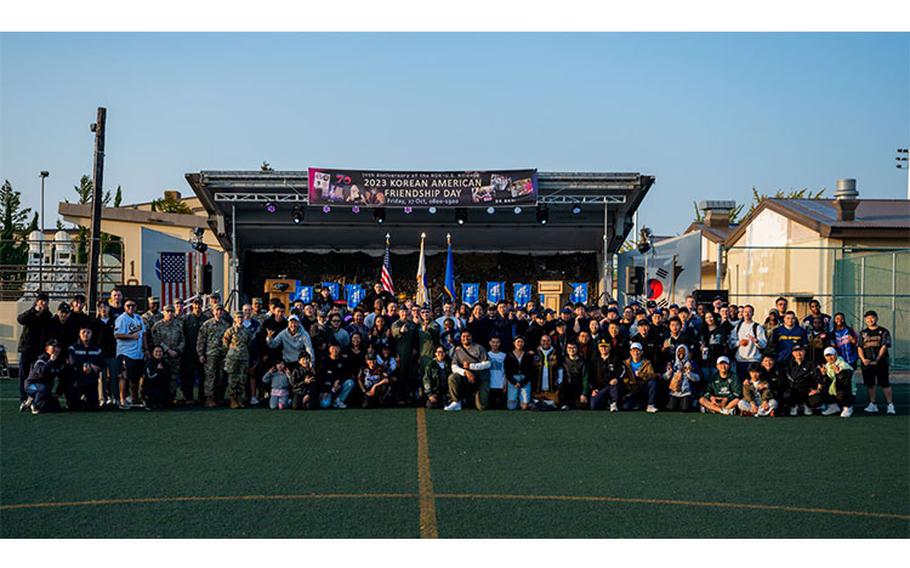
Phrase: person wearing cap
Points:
(682, 380)
(211, 351)
(39, 384)
(84, 363)
(874, 344)
(786, 337)
(103, 334)
(560, 337)
(292, 341)
(648, 337)
(797, 380)
(63, 327)
(835, 390)
(215, 300)
(168, 333)
(605, 378)
(723, 391)
(237, 339)
(153, 315)
(36, 328)
(179, 308)
(639, 383)
(190, 370)
(130, 332)
(758, 393)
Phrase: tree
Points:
(118, 197)
(168, 204)
(13, 235)
(736, 213)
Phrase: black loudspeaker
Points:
(207, 278)
(707, 296)
(140, 294)
(635, 280)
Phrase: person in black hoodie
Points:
(39, 385)
(519, 368)
(103, 335)
(572, 390)
(64, 327)
(84, 364)
(798, 379)
(649, 338)
(605, 378)
(35, 322)
(156, 386)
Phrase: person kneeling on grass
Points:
(724, 391)
(639, 382)
(279, 386)
(335, 378)
(435, 378)
(758, 398)
(607, 372)
(682, 379)
(470, 373)
(304, 384)
(835, 387)
(39, 386)
(156, 386)
(373, 383)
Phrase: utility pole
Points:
(903, 164)
(43, 175)
(91, 292)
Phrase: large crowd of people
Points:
(716, 358)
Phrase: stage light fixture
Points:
(543, 214)
(517, 210)
(379, 215)
(355, 209)
(576, 209)
(297, 213)
(491, 210)
(326, 209)
(461, 216)
(432, 210)
(270, 207)
(408, 210)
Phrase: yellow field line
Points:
(681, 503)
(428, 528)
(205, 499)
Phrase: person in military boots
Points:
(168, 334)
(211, 351)
(153, 315)
(189, 366)
(237, 340)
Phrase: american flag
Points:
(387, 271)
(177, 274)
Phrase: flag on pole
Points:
(422, 295)
(177, 274)
(450, 271)
(659, 280)
(386, 277)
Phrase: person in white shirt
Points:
(748, 338)
(470, 372)
(497, 373)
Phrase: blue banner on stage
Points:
(353, 295)
(579, 292)
(521, 293)
(470, 293)
(333, 288)
(303, 293)
(496, 291)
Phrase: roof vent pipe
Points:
(846, 199)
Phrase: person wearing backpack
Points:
(747, 339)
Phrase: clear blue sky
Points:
(710, 115)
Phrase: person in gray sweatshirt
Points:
(293, 341)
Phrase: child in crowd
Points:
(157, 381)
(303, 383)
(758, 398)
(280, 393)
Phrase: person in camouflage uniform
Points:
(237, 339)
(153, 315)
(211, 350)
(427, 339)
(168, 334)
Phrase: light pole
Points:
(903, 164)
(43, 175)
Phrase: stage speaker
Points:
(138, 293)
(635, 280)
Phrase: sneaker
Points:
(254, 401)
(806, 410)
(794, 411)
(35, 410)
(651, 409)
(129, 400)
(703, 410)
(872, 408)
(26, 404)
(831, 409)
(564, 407)
(124, 405)
(890, 409)
(847, 412)
(724, 411)
(453, 406)
(339, 404)
(614, 407)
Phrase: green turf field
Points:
(384, 473)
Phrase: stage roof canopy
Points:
(241, 197)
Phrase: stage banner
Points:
(470, 293)
(579, 292)
(303, 293)
(521, 293)
(353, 295)
(457, 189)
(496, 291)
(333, 289)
